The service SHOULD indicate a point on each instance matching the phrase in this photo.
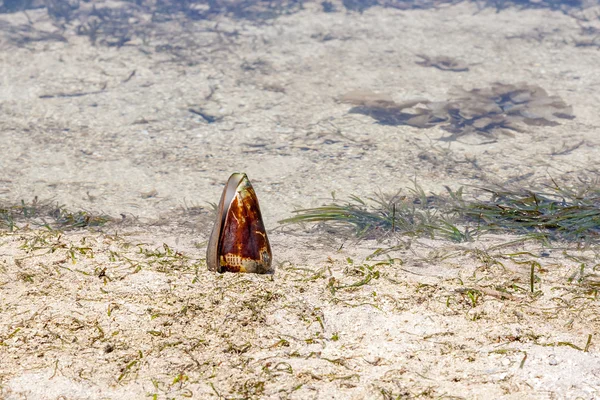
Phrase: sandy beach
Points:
(147, 130)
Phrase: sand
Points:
(129, 311)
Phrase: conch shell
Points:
(238, 242)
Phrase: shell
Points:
(238, 242)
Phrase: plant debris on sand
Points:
(443, 62)
(89, 312)
(501, 108)
(49, 215)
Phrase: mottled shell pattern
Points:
(238, 242)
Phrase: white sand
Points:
(172, 329)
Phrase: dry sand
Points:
(128, 311)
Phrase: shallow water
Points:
(141, 112)
(120, 103)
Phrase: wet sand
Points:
(149, 132)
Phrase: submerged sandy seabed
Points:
(129, 311)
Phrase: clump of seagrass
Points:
(554, 213)
(415, 214)
(47, 214)
(500, 108)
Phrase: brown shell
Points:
(238, 242)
